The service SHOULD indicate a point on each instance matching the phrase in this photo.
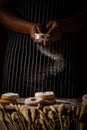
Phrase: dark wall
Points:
(82, 44)
(83, 57)
(3, 43)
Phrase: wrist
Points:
(28, 27)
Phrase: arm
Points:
(74, 23)
(11, 21)
(71, 24)
(14, 23)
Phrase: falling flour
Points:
(57, 61)
(55, 65)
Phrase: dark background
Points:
(82, 4)
(3, 44)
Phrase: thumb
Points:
(49, 25)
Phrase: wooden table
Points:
(68, 102)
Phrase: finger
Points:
(49, 25)
(38, 41)
(51, 40)
(52, 31)
(39, 28)
(45, 43)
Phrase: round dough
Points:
(4, 101)
(10, 96)
(45, 95)
(32, 101)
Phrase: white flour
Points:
(55, 65)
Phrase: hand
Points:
(53, 31)
(36, 28)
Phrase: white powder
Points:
(55, 65)
(57, 61)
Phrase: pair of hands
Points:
(52, 28)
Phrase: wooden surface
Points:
(60, 100)
(67, 102)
